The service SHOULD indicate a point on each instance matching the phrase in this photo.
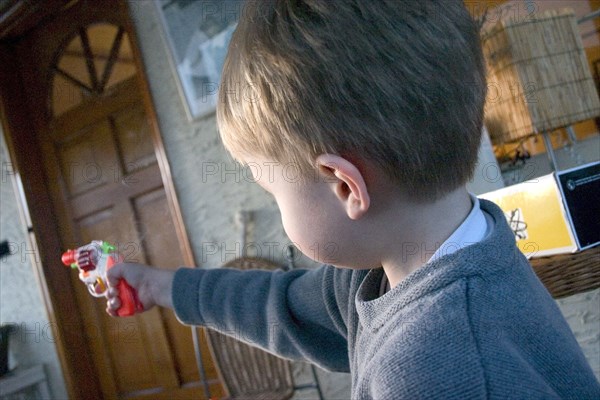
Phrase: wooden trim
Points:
(19, 16)
(161, 156)
(72, 79)
(114, 52)
(78, 367)
(595, 5)
(89, 58)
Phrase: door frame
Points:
(20, 133)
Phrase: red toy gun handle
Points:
(130, 304)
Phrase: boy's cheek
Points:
(312, 240)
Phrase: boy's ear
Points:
(347, 183)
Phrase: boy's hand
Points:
(153, 285)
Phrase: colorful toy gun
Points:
(93, 260)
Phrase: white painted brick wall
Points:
(582, 312)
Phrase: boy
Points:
(378, 105)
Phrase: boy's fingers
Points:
(113, 275)
(114, 303)
(111, 312)
(112, 292)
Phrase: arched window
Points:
(97, 58)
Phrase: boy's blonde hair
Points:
(400, 83)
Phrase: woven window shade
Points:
(538, 76)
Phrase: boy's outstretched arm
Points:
(299, 314)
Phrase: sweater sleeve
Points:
(294, 314)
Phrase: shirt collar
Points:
(472, 230)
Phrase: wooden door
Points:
(107, 179)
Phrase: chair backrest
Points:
(249, 372)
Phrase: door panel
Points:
(137, 150)
(86, 158)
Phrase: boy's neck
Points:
(421, 228)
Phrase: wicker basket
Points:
(568, 274)
(538, 76)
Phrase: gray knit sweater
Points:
(474, 324)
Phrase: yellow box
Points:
(535, 212)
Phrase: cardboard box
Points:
(554, 214)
